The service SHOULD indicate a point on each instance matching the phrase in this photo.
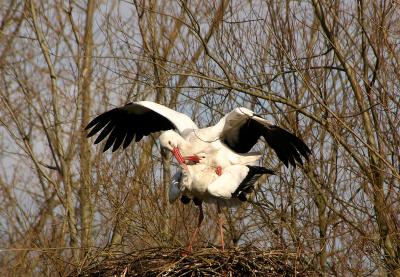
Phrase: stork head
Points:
(173, 142)
(170, 140)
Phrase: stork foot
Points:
(187, 252)
(190, 160)
(193, 238)
(218, 170)
(221, 230)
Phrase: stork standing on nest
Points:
(201, 183)
(226, 145)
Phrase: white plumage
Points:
(235, 134)
(201, 183)
(217, 165)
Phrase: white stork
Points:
(201, 183)
(226, 146)
(229, 140)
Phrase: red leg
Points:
(201, 217)
(218, 171)
(221, 230)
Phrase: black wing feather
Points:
(130, 134)
(118, 141)
(106, 131)
(138, 137)
(104, 117)
(97, 128)
(288, 147)
(247, 185)
(111, 138)
(124, 124)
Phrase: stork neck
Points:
(184, 147)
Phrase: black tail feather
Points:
(247, 185)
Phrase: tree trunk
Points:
(86, 208)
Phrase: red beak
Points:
(194, 159)
(179, 158)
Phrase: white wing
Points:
(135, 120)
(181, 121)
(241, 129)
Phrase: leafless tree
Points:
(327, 70)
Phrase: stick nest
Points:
(204, 262)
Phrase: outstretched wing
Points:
(242, 129)
(136, 120)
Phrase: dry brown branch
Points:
(204, 262)
(327, 70)
(85, 191)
